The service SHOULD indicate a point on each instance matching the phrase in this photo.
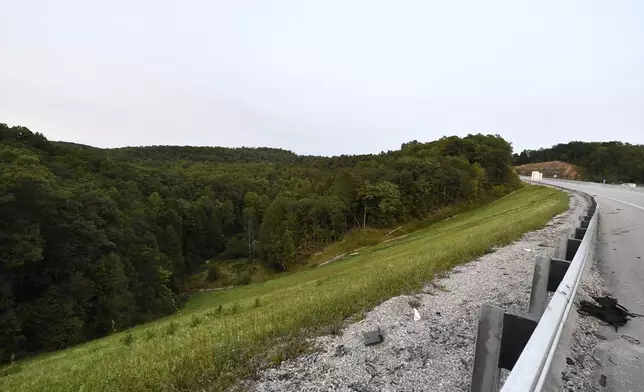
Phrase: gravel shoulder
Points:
(434, 353)
(582, 364)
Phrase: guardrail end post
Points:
(548, 273)
(486, 373)
(539, 293)
(560, 252)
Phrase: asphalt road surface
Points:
(620, 255)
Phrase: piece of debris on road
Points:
(608, 311)
(373, 337)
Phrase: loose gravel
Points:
(582, 365)
(435, 353)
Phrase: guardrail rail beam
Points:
(524, 343)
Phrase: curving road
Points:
(620, 257)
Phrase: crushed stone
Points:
(435, 353)
(579, 374)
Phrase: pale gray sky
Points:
(322, 77)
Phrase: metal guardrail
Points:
(532, 368)
(530, 343)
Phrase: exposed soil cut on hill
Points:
(550, 169)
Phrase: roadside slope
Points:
(434, 353)
(223, 336)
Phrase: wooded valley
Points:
(94, 241)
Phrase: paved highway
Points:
(620, 258)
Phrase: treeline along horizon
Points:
(611, 161)
(94, 241)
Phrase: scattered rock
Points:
(414, 303)
(464, 363)
(284, 377)
(341, 351)
(371, 370)
(600, 336)
(358, 387)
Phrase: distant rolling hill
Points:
(552, 168)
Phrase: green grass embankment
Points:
(226, 335)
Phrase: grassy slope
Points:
(358, 239)
(229, 273)
(354, 240)
(214, 340)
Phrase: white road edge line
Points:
(622, 201)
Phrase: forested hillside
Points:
(94, 241)
(613, 161)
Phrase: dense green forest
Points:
(613, 161)
(94, 241)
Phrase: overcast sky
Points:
(322, 77)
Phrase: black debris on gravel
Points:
(602, 380)
(608, 311)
